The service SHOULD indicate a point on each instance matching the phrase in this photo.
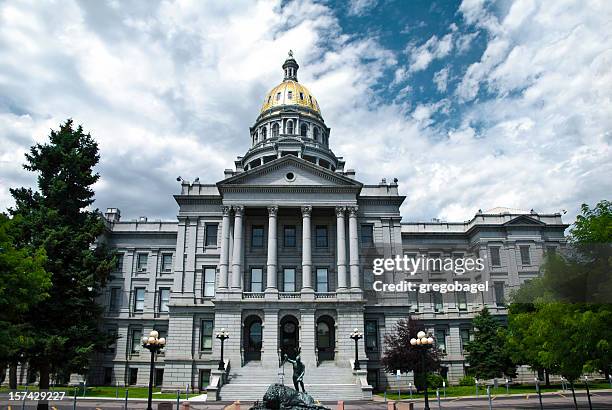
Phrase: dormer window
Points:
(303, 129)
(301, 96)
(275, 130)
(278, 96)
(290, 95)
(289, 127)
(263, 133)
(310, 97)
(316, 134)
(269, 99)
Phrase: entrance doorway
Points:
(289, 336)
(326, 338)
(252, 338)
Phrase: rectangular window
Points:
(119, 262)
(211, 234)
(164, 299)
(367, 234)
(115, 296)
(372, 378)
(133, 376)
(204, 379)
(368, 280)
(440, 336)
(301, 96)
(525, 256)
(413, 300)
(139, 298)
(112, 333)
(438, 303)
(167, 262)
(322, 280)
(209, 282)
(321, 236)
(465, 337)
(257, 237)
(462, 300)
(108, 376)
(141, 262)
(495, 256)
(135, 335)
(206, 336)
(159, 377)
(499, 293)
(256, 280)
(289, 280)
(289, 237)
(289, 95)
(371, 335)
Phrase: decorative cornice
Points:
(290, 188)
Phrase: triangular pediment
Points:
(524, 220)
(289, 171)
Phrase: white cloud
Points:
(361, 7)
(440, 78)
(433, 49)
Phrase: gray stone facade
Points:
(278, 254)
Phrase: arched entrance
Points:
(289, 334)
(252, 338)
(326, 338)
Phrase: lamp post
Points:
(356, 335)
(154, 344)
(223, 336)
(422, 343)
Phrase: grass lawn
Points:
(457, 391)
(109, 391)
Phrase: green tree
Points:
(58, 218)
(23, 283)
(594, 225)
(400, 355)
(487, 353)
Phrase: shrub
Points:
(467, 381)
(434, 381)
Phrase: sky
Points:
(470, 104)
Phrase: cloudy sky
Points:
(470, 104)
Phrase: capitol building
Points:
(279, 254)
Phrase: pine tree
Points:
(58, 218)
(487, 353)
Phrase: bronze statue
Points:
(279, 397)
(298, 370)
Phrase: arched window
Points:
(290, 127)
(303, 129)
(264, 133)
(316, 134)
(290, 95)
(275, 129)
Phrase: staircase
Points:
(327, 382)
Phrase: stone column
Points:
(353, 248)
(341, 248)
(225, 251)
(237, 252)
(306, 250)
(271, 272)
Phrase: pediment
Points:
(289, 171)
(524, 220)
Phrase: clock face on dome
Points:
(289, 327)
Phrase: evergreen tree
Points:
(58, 218)
(487, 353)
(400, 355)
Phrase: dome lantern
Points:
(290, 67)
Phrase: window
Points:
(257, 237)
(167, 262)
(206, 337)
(275, 128)
(139, 297)
(440, 336)
(108, 376)
(321, 236)
(141, 262)
(462, 300)
(119, 262)
(289, 280)
(525, 256)
(204, 379)
(316, 134)
(435, 262)
(495, 257)
(164, 299)
(368, 280)
(371, 335)
(135, 335)
(113, 334)
(310, 98)
(211, 234)
(372, 378)
(159, 377)
(465, 337)
(438, 302)
(133, 376)
(413, 300)
(301, 96)
(289, 127)
(322, 284)
(289, 237)
(499, 293)
(303, 130)
(278, 95)
(115, 296)
(209, 282)
(256, 280)
(290, 95)
(367, 234)
(264, 133)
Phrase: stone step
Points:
(321, 392)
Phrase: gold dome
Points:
(288, 93)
